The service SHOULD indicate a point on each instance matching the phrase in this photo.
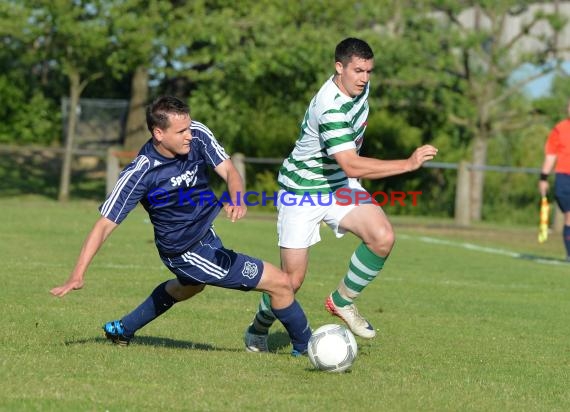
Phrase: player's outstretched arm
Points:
(369, 168)
(96, 237)
(231, 176)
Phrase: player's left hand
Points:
(235, 212)
(421, 155)
(67, 287)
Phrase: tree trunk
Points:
(136, 133)
(74, 93)
(478, 176)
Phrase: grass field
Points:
(468, 320)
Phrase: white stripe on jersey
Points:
(140, 163)
(214, 143)
(310, 174)
(341, 147)
(333, 122)
(205, 265)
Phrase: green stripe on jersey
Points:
(300, 185)
(335, 141)
(327, 127)
(331, 120)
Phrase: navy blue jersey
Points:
(174, 191)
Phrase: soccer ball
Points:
(332, 348)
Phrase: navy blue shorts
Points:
(562, 191)
(209, 262)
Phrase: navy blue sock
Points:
(296, 323)
(566, 236)
(155, 305)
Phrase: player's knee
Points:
(383, 239)
(182, 292)
(296, 285)
(281, 284)
(389, 237)
(296, 281)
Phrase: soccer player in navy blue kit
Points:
(169, 178)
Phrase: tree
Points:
(481, 54)
(21, 84)
(554, 106)
(457, 59)
(73, 38)
(86, 40)
(170, 44)
(136, 28)
(268, 59)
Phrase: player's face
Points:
(174, 140)
(352, 78)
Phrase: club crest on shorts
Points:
(249, 270)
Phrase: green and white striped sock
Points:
(264, 317)
(363, 269)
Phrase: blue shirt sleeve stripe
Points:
(114, 207)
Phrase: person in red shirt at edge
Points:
(557, 157)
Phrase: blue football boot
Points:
(115, 332)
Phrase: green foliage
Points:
(134, 33)
(43, 129)
(74, 36)
(249, 69)
(555, 106)
(25, 171)
(27, 119)
(28, 115)
(519, 204)
(267, 76)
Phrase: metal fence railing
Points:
(114, 159)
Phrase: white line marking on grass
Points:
(94, 265)
(484, 249)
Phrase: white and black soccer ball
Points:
(332, 348)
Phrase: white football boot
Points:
(349, 314)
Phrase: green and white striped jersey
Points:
(333, 123)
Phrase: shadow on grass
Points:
(276, 341)
(153, 341)
(36, 171)
(545, 259)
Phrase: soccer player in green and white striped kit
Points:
(325, 163)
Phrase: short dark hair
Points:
(352, 47)
(157, 113)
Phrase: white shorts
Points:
(300, 216)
